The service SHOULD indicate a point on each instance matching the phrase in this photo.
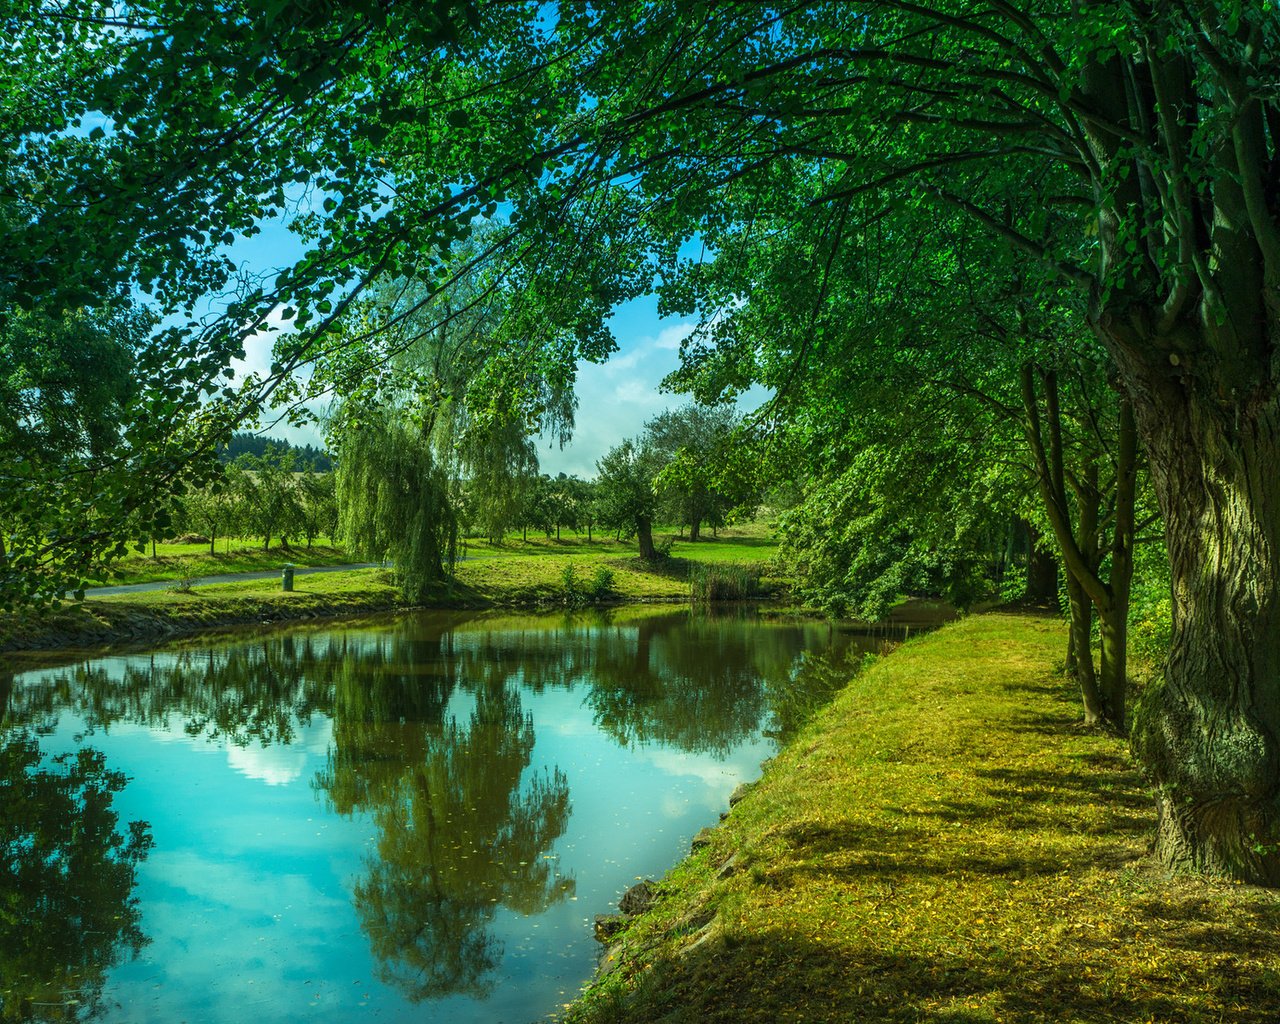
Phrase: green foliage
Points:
(317, 498)
(924, 520)
(578, 592)
(94, 438)
(268, 496)
(624, 491)
(700, 482)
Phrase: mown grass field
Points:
(173, 561)
(945, 843)
(750, 543)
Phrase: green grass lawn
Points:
(946, 843)
(174, 561)
(514, 574)
(748, 544)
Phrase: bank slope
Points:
(945, 843)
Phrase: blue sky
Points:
(614, 398)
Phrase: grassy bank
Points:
(945, 843)
(131, 618)
(514, 575)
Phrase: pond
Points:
(414, 818)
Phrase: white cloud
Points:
(276, 765)
(671, 337)
(617, 398)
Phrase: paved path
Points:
(231, 577)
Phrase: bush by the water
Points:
(578, 592)
(711, 583)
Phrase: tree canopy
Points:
(1120, 158)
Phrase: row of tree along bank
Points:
(661, 476)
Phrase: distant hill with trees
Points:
(257, 446)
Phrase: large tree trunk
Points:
(644, 533)
(695, 529)
(1193, 324)
(1209, 732)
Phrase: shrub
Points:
(577, 592)
(710, 583)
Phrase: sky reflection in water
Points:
(415, 819)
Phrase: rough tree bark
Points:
(1208, 732)
(1196, 344)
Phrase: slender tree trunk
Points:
(1113, 682)
(1042, 570)
(644, 533)
(1081, 608)
(1114, 620)
(1082, 548)
(213, 539)
(1005, 559)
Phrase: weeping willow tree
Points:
(499, 464)
(394, 498)
(440, 391)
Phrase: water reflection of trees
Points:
(459, 836)
(67, 909)
(464, 826)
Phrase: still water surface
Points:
(413, 819)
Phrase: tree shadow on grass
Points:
(1194, 921)
(668, 567)
(1121, 789)
(849, 852)
(726, 976)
